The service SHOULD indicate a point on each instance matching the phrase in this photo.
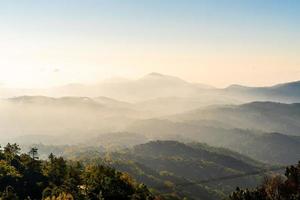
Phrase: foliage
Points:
(274, 188)
(24, 176)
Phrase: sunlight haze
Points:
(213, 42)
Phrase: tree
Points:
(11, 151)
(33, 153)
(111, 184)
(73, 180)
(56, 170)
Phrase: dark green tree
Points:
(33, 153)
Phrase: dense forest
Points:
(25, 176)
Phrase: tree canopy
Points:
(25, 176)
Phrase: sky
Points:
(218, 42)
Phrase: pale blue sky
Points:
(217, 42)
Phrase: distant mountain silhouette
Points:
(264, 116)
(156, 85)
(258, 145)
(285, 92)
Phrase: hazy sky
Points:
(218, 42)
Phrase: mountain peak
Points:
(156, 74)
(237, 86)
(161, 76)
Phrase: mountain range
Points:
(155, 85)
(284, 92)
(124, 113)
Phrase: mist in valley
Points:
(162, 107)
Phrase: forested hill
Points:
(272, 148)
(24, 176)
(166, 165)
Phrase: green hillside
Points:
(166, 165)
